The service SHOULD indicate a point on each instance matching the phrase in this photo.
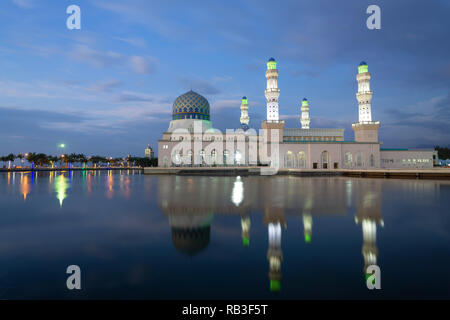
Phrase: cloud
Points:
(227, 103)
(27, 4)
(303, 73)
(95, 58)
(154, 17)
(128, 96)
(289, 116)
(142, 65)
(222, 79)
(137, 42)
(429, 118)
(106, 86)
(199, 85)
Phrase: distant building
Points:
(149, 152)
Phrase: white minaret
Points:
(272, 92)
(364, 95)
(244, 112)
(275, 256)
(305, 120)
(365, 129)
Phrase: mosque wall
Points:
(407, 158)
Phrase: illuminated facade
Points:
(190, 136)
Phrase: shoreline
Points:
(68, 169)
(435, 173)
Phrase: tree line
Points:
(42, 159)
(443, 153)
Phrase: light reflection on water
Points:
(137, 236)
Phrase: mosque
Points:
(191, 139)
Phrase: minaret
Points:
(369, 215)
(245, 230)
(305, 120)
(272, 92)
(369, 248)
(364, 95)
(307, 226)
(275, 256)
(272, 126)
(365, 129)
(244, 113)
(307, 217)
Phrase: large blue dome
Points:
(190, 105)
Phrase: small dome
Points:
(244, 127)
(190, 105)
(363, 67)
(305, 102)
(244, 97)
(272, 59)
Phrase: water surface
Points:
(182, 237)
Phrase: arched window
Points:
(301, 159)
(289, 160)
(359, 159)
(226, 157)
(324, 159)
(238, 157)
(202, 156)
(372, 160)
(189, 159)
(213, 156)
(176, 157)
(348, 159)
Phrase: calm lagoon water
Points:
(183, 237)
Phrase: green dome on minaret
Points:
(271, 64)
(305, 102)
(363, 67)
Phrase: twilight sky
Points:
(108, 88)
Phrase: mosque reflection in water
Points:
(191, 203)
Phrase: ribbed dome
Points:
(190, 105)
(191, 240)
